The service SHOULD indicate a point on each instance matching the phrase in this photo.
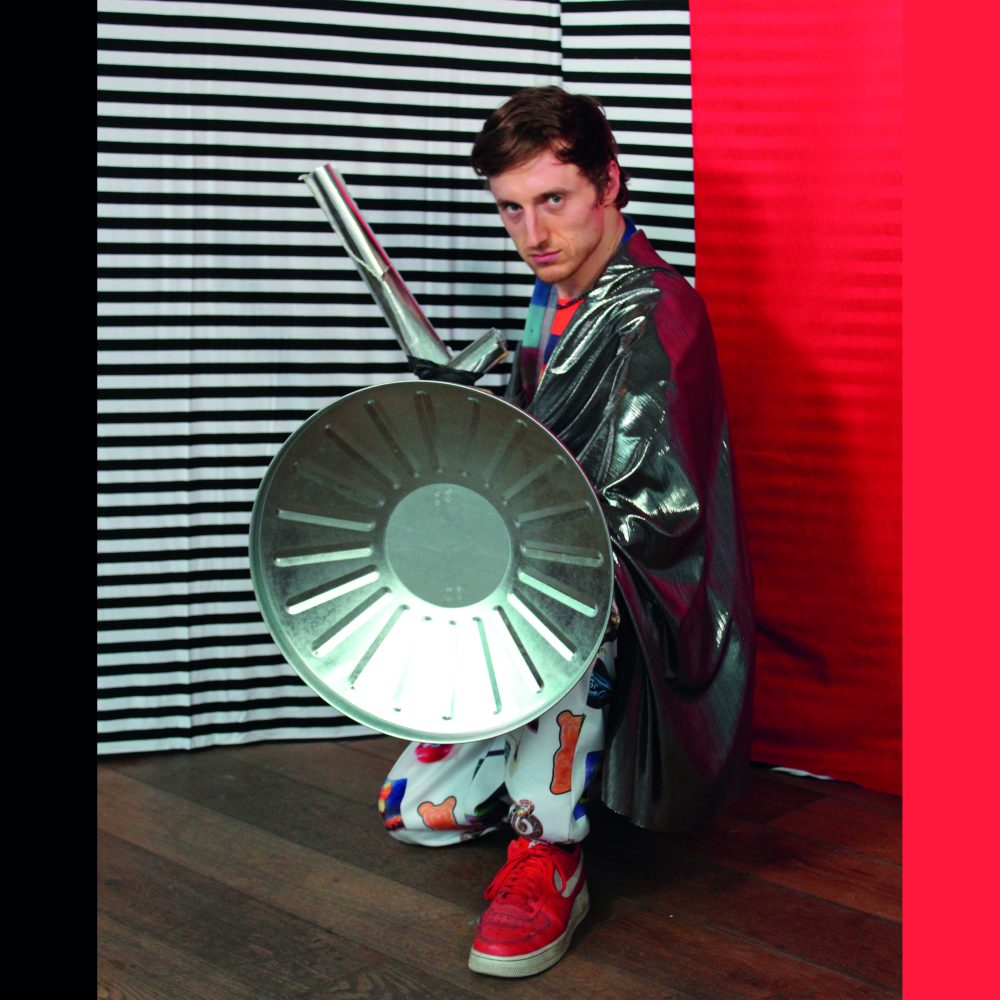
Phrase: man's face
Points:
(563, 230)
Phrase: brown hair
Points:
(573, 126)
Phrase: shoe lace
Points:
(518, 882)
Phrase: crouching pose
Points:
(618, 360)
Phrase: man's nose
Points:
(535, 229)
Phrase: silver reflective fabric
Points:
(431, 561)
(633, 390)
(406, 319)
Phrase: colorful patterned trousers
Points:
(535, 777)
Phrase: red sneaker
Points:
(537, 900)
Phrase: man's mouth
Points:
(547, 257)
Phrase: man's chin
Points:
(549, 272)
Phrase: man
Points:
(618, 361)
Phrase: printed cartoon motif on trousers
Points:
(441, 816)
(592, 763)
(562, 759)
(601, 686)
(522, 821)
(430, 753)
(390, 800)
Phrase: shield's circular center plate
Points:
(448, 545)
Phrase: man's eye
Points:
(556, 199)
(510, 209)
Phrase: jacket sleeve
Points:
(659, 460)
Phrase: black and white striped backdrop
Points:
(228, 312)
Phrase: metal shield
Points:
(431, 561)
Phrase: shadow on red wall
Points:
(797, 192)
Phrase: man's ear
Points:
(610, 193)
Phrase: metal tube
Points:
(482, 354)
(406, 319)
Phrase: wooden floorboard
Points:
(264, 871)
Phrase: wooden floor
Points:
(263, 871)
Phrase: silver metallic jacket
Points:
(633, 390)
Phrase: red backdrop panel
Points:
(797, 162)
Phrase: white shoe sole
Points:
(537, 961)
